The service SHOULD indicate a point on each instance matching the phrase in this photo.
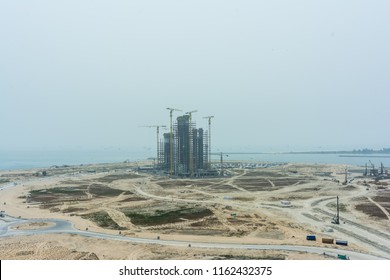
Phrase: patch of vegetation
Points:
(333, 205)
(243, 257)
(3, 180)
(240, 198)
(252, 182)
(72, 193)
(59, 194)
(72, 209)
(161, 217)
(183, 183)
(312, 189)
(59, 190)
(255, 184)
(102, 219)
(49, 205)
(371, 210)
(237, 221)
(324, 174)
(289, 181)
(111, 178)
(262, 174)
(380, 183)
(202, 232)
(349, 188)
(100, 190)
(134, 198)
(382, 198)
(221, 188)
(278, 182)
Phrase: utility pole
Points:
(336, 220)
(222, 163)
(209, 155)
(191, 167)
(154, 163)
(171, 140)
(338, 212)
(346, 176)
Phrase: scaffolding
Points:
(189, 156)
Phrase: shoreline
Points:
(365, 156)
(116, 187)
(26, 160)
(146, 162)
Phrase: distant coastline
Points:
(353, 153)
(366, 156)
(44, 159)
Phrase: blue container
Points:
(342, 242)
(311, 237)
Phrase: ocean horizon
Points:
(14, 160)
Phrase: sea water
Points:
(11, 160)
(353, 159)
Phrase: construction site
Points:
(185, 151)
(258, 210)
(184, 205)
(378, 174)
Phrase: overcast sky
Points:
(277, 75)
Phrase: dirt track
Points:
(278, 205)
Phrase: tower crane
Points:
(191, 142)
(373, 172)
(221, 154)
(171, 110)
(209, 118)
(158, 137)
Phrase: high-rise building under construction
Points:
(187, 155)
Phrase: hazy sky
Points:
(277, 75)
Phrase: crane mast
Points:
(209, 151)
(158, 137)
(191, 165)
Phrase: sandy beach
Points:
(277, 205)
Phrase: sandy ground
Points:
(275, 205)
(72, 247)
